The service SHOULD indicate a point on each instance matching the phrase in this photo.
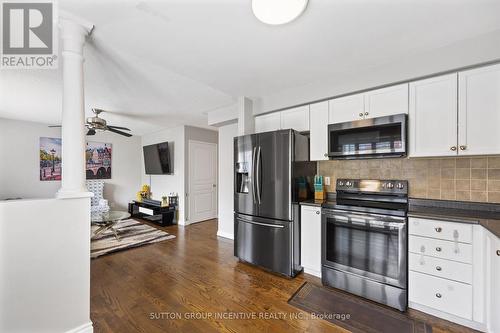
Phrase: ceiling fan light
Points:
(276, 12)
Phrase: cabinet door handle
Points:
(438, 295)
(498, 253)
(326, 155)
(318, 212)
(438, 268)
(438, 249)
(453, 148)
(367, 113)
(361, 114)
(438, 229)
(463, 147)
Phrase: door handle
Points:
(463, 147)
(258, 174)
(262, 224)
(253, 174)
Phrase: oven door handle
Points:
(365, 221)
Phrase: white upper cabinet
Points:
(433, 116)
(386, 101)
(376, 103)
(347, 108)
(296, 118)
(479, 111)
(268, 122)
(319, 131)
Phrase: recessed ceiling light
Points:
(277, 12)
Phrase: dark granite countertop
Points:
(488, 219)
(313, 202)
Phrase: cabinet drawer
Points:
(441, 294)
(440, 267)
(440, 248)
(461, 232)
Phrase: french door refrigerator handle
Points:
(278, 226)
(257, 178)
(254, 150)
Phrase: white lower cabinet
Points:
(447, 271)
(310, 239)
(493, 282)
(441, 294)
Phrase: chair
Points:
(97, 203)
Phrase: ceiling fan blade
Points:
(55, 126)
(91, 131)
(120, 128)
(118, 132)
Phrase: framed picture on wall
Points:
(50, 159)
(98, 160)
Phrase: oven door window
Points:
(365, 249)
(381, 139)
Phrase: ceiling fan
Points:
(96, 123)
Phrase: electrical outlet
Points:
(327, 181)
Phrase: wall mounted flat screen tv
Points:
(157, 159)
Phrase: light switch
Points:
(327, 181)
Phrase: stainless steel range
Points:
(364, 240)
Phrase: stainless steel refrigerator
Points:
(272, 173)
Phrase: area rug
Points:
(131, 234)
(353, 313)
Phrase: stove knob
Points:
(341, 183)
(389, 185)
(348, 184)
(400, 186)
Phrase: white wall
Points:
(125, 168)
(226, 180)
(164, 184)
(45, 265)
(20, 161)
(19, 170)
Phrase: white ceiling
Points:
(158, 64)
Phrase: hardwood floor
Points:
(154, 288)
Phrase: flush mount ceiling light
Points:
(277, 12)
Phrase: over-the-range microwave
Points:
(368, 138)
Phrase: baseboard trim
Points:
(85, 328)
(225, 235)
(447, 316)
(312, 272)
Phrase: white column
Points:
(73, 113)
(246, 122)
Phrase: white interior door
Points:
(202, 181)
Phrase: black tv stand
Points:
(161, 215)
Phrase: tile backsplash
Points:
(461, 178)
